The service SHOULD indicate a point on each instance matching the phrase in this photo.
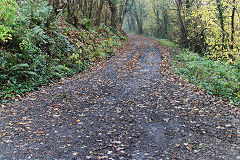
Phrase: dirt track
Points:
(129, 107)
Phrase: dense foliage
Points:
(216, 78)
(43, 40)
(208, 27)
(212, 76)
(39, 44)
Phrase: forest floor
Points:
(128, 107)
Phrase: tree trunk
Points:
(130, 26)
(113, 9)
(182, 26)
(166, 24)
(85, 12)
(90, 10)
(139, 20)
(99, 12)
(233, 24)
(133, 22)
(221, 18)
(123, 10)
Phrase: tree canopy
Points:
(208, 27)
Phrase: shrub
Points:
(8, 11)
(34, 55)
(215, 77)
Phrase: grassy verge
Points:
(213, 76)
(166, 42)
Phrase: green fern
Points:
(19, 67)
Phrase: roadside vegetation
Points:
(206, 30)
(42, 41)
(213, 76)
(207, 27)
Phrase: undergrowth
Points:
(167, 43)
(213, 76)
(33, 53)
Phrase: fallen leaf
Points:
(75, 153)
(166, 119)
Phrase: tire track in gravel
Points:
(124, 108)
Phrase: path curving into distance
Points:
(126, 108)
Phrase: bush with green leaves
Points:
(34, 53)
(215, 77)
(9, 12)
(29, 56)
(19, 75)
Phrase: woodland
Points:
(120, 79)
(44, 40)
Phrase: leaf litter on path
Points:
(130, 107)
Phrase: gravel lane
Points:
(128, 107)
